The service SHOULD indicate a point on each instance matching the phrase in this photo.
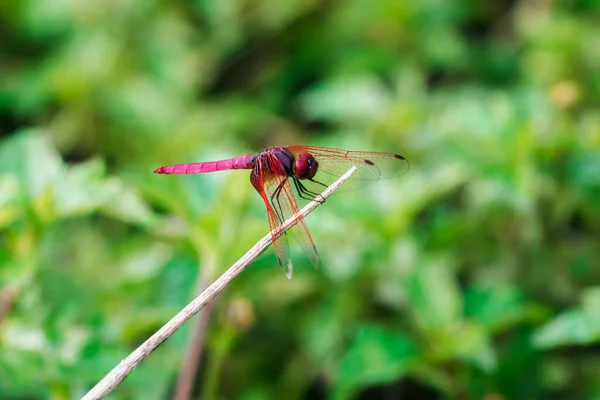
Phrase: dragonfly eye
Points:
(305, 166)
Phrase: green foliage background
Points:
(476, 275)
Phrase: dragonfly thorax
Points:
(280, 161)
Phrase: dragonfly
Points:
(281, 175)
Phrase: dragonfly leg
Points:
(318, 183)
(304, 193)
(275, 196)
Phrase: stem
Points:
(7, 301)
(128, 364)
(193, 354)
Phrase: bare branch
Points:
(124, 368)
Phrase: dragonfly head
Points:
(305, 166)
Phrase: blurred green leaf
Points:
(30, 157)
(471, 342)
(80, 190)
(578, 326)
(496, 307)
(10, 207)
(376, 355)
(575, 327)
(360, 99)
(437, 303)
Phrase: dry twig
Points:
(124, 368)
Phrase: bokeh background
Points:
(474, 276)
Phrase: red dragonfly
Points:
(277, 171)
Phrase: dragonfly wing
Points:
(286, 206)
(280, 245)
(333, 163)
(280, 201)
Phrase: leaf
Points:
(591, 300)
(49, 17)
(31, 158)
(376, 355)
(10, 207)
(496, 307)
(84, 189)
(360, 99)
(323, 331)
(569, 328)
(435, 297)
(18, 272)
(145, 264)
(577, 326)
(126, 203)
(80, 191)
(470, 342)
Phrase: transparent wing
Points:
(280, 202)
(333, 163)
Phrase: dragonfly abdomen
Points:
(242, 162)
